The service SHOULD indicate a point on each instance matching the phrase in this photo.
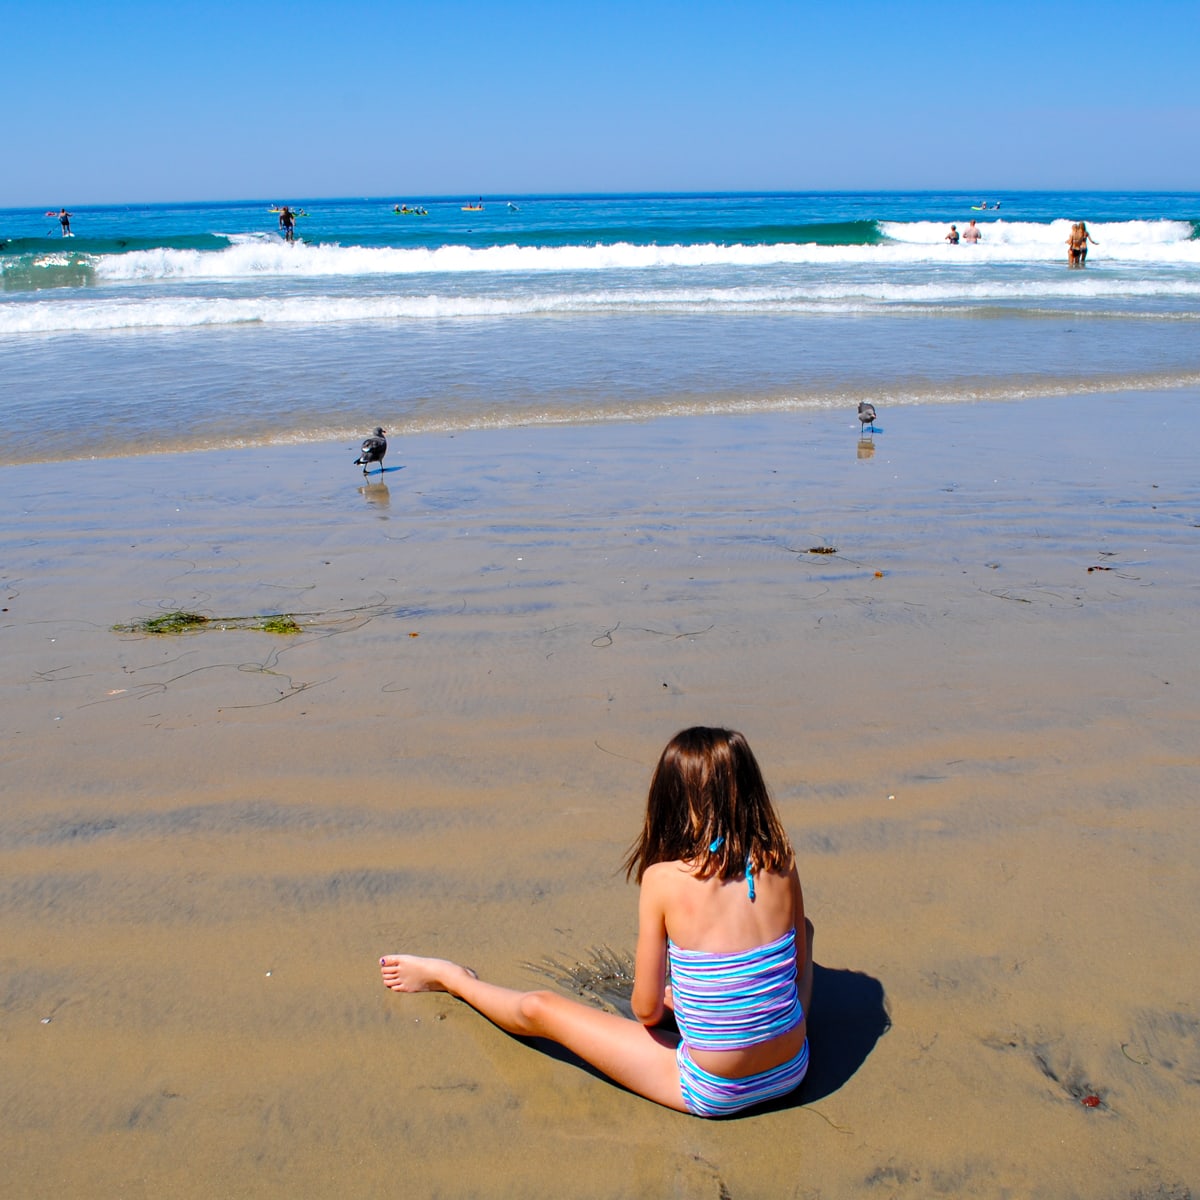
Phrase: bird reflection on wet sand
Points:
(376, 493)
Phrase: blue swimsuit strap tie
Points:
(716, 844)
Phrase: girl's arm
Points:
(650, 961)
(798, 922)
(804, 964)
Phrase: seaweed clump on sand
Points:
(170, 622)
(282, 623)
(179, 621)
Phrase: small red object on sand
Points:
(1090, 1102)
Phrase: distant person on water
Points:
(64, 219)
(972, 233)
(1077, 245)
(1084, 238)
(287, 222)
(952, 236)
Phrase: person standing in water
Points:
(952, 236)
(1077, 244)
(287, 222)
(721, 907)
(972, 233)
(64, 219)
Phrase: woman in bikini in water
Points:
(721, 906)
(1077, 244)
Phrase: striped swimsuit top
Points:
(730, 1001)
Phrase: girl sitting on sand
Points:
(720, 905)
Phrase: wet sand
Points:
(977, 715)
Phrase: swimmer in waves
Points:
(1077, 245)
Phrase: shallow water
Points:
(205, 330)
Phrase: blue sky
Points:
(124, 101)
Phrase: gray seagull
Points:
(373, 450)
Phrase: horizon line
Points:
(501, 197)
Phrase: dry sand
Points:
(978, 717)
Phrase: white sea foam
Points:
(1166, 242)
(818, 296)
(1139, 240)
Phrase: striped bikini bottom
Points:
(708, 1095)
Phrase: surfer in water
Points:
(64, 219)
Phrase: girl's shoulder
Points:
(662, 873)
(667, 879)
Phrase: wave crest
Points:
(912, 242)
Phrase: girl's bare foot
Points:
(407, 973)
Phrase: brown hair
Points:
(708, 805)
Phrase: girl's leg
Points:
(638, 1058)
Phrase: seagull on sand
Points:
(866, 414)
(373, 450)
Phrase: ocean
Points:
(169, 328)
